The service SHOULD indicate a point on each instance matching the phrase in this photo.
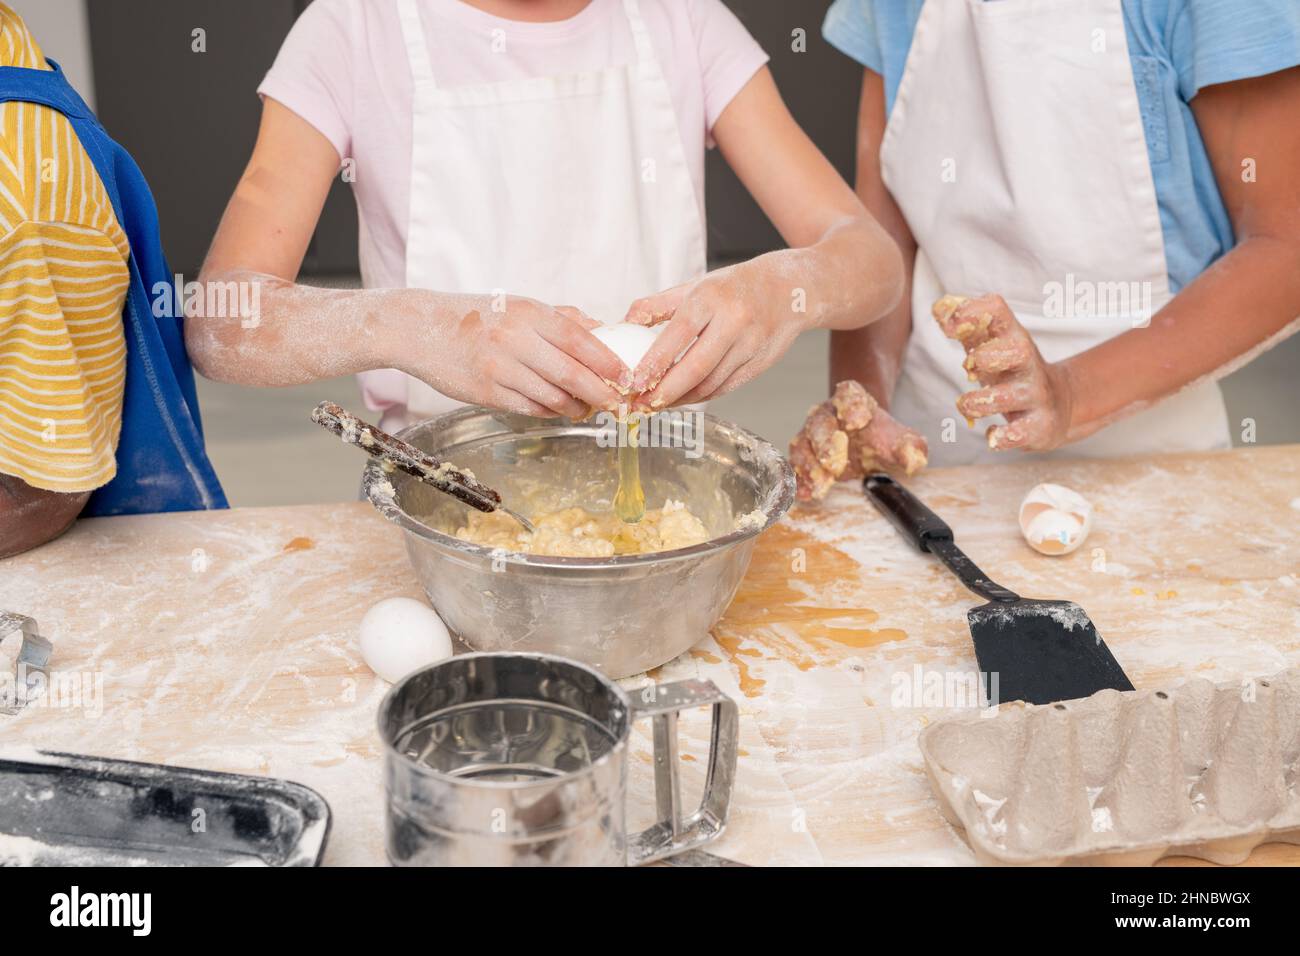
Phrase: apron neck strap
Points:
(46, 87)
(417, 50)
(645, 51)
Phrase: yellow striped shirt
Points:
(63, 280)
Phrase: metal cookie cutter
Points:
(33, 659)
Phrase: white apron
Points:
(570, 189)
(1016, 152)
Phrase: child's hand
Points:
(1033, 394)
(732, 324)
(529, 358)
(847, 437)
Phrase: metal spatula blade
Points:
(1031, 650)
(1040, 652)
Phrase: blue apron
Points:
(161, 461)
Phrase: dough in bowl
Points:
(579, 533)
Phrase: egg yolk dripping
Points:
(629, 501)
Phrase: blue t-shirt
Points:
(1177, 47)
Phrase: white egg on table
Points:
(400, 635)
(1055, 519)
(629, 342)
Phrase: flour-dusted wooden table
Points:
(227, 640)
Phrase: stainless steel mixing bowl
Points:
(622, 615)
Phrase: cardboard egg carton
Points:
(1200, 770)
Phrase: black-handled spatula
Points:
(1035, 651)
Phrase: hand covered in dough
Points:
(1032, 394)
(848, 436)
(732, 324)
(529, 358)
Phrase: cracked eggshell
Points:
(629, 342)
(1055, 519)
(400, 635)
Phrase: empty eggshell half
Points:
(1055, 519)
(400, 635)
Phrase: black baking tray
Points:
(68, 810)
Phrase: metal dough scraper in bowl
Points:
(1030, 650)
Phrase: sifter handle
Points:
(675, 831)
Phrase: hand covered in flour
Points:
(848, 436)
(731, 324)
(1032, 394)
(529, 358)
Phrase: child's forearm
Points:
(29, 517)
(253, 329)
(1242, 305)
(852, 276)
(504, 351)
(873, 354)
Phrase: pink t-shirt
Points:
(344, 69)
